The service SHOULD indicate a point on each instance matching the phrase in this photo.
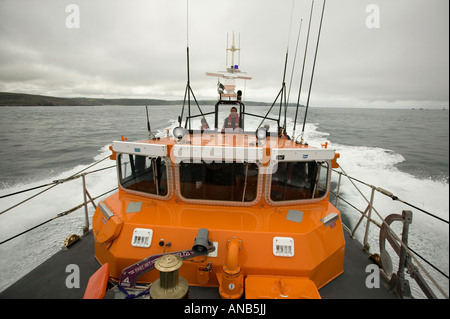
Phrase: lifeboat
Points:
(264, 203)
(244, 213)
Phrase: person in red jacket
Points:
(232, 121)
(205, 125)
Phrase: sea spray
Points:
(375, 163)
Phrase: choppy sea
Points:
(404, 151)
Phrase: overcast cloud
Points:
(137, 49)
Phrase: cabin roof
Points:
(213, 145)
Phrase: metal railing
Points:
(397, 282)
(86, 195)
(408, 258)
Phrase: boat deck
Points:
(48, 280)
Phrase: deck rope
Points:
(49, 188)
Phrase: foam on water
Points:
(51, 202)
(29, 250)
(376, 166)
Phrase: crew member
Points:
(205, 125)
(232, 121)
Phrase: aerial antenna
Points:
(312, 73)
(287, 49)
(226, 62)
(303, 69)
(188, 90)
(239, 56)
(187, 23)
(148, 124)
(295, 58)
(282, 91)
(233, 49)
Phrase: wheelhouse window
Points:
(143, 174)
(237, 182)
(299, 180)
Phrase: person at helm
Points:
(232, 121)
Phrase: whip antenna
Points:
(286, 98)
(295, 58)
(303, 68)
(187, 23)
(282, 92)
(188, 90)
(312, 73)
(148, 124)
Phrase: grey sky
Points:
(137, 49)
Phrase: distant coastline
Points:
(20, 99)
